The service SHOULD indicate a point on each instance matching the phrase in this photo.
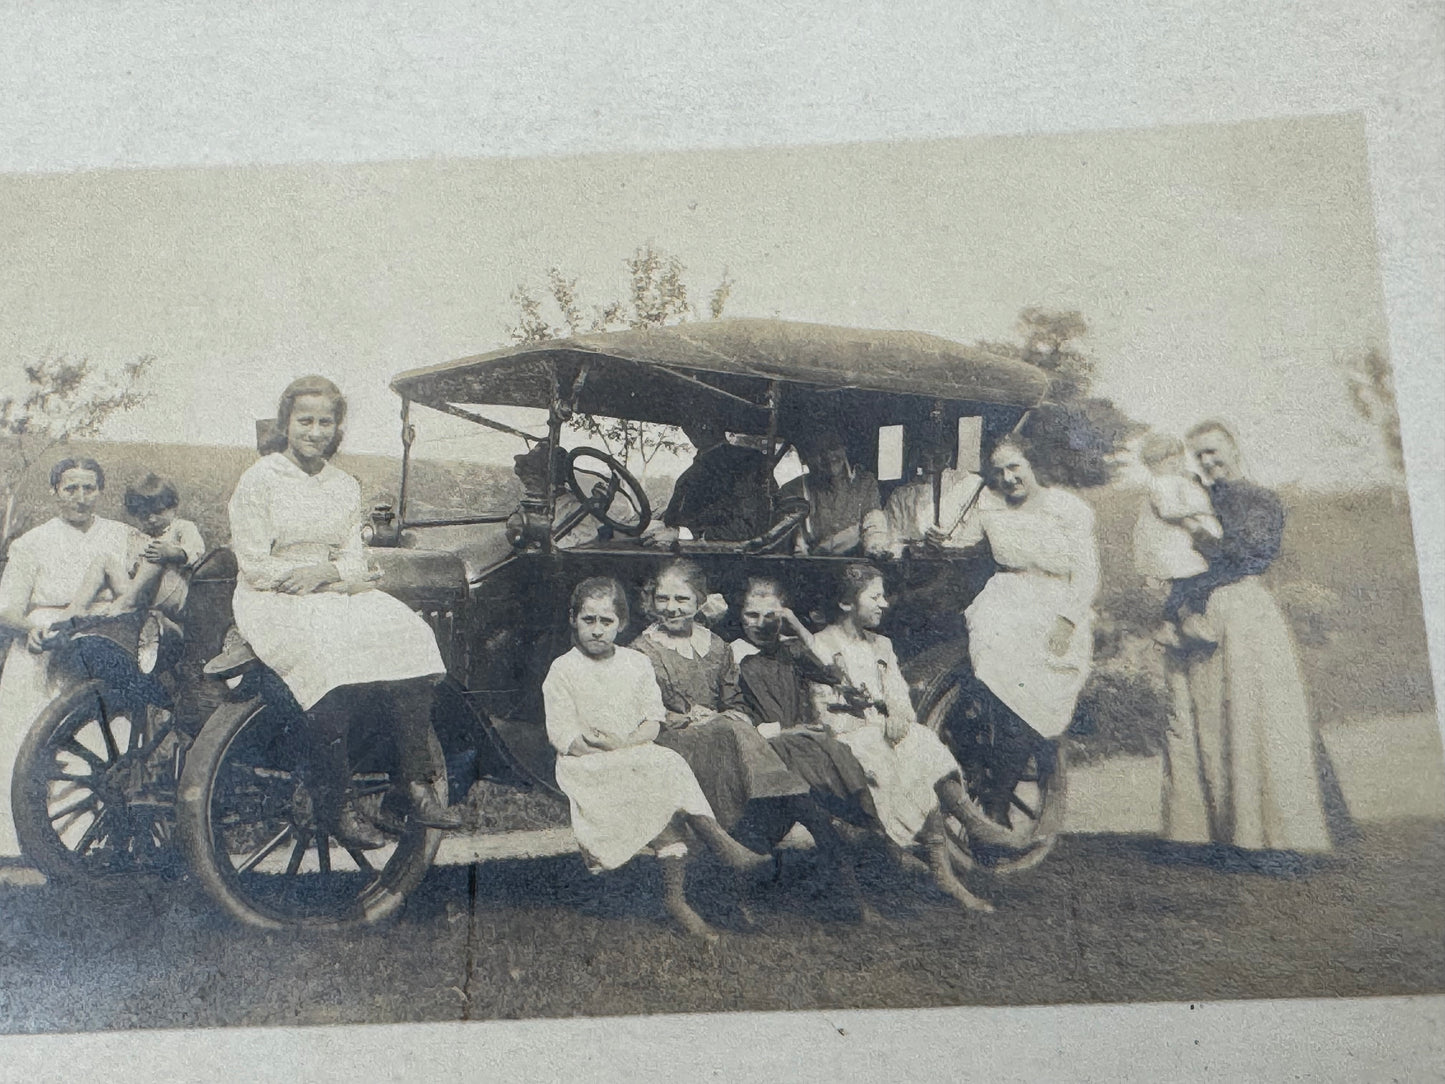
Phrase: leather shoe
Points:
(354, 831)
(427, 810)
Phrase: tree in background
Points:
(1075, 435)
(1372, 389)
(61, 399)
(657, 296)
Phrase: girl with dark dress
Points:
(707, 718)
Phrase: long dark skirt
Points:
(734, 765)
(836, 779)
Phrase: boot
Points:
(427, 810)
(725, 847)
(674, 900)
(830, 847)
(355, 832)
(935, 844)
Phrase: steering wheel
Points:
(599, 488)
(791, 512)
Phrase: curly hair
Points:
(151, 494)
(853, 579)
(1212, 425)
(764, 585)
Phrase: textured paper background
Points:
(159, 84)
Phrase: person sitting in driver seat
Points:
(840, 496)
(532, 469)
(722, 496)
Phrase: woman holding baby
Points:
(1240, 754)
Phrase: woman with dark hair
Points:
(707, 718)
(306, 604)
(604, 715)
(46, 566)
(1241, 751)
(912, 778)
(1030, 630)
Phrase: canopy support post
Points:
(408, 437)
(773, 396)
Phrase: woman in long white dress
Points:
(46, 566)
(1241, 754)
(912, 777)
(1031, 628)
(604, 712)
(307, 606)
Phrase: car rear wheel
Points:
(1035, 807)
(250, 831)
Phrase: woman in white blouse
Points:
(1031, 628)
(45, 567)
(306, 604)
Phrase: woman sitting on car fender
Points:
(309, 610)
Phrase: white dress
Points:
(902, 777)
(282, 519)
(1048, 568)
(621, 799)
(45, 569)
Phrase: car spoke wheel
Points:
(94, 786)
(256, 840)
(1035, 812)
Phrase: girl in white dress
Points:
(308, 607)
(604, 711)
(912, 777)
(45, 568)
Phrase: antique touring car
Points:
(219, 764)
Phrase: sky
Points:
(1225, 270)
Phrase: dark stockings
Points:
(403, 707)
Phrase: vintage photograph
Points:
(885, 575)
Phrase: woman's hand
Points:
(38, 638)
(935, 537)
(792, 621)
(645, 734)
(662, 538)
(1061, 636)
(308, 578)
(599, 742)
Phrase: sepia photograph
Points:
(878, 575)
